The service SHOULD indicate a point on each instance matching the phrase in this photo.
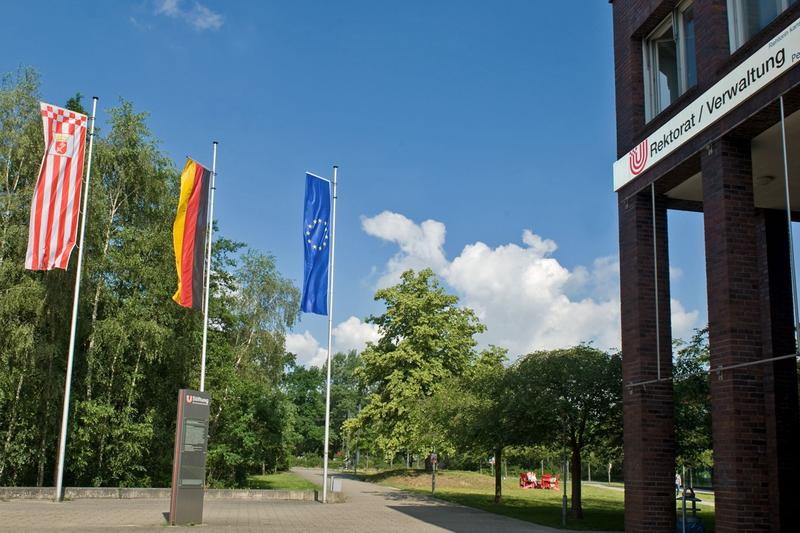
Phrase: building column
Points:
(780, 379)
(648, 409)
(739, 428)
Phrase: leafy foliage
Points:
(692, 392)
(135, 348)
(470, 413)
(425, 339)
(571, 395)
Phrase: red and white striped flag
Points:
(57, 196)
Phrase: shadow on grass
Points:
(603, 508)
(466, 520)
(598, 515)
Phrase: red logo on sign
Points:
(637, 158)
(61, 147)
(189, 398)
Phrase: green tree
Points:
(305, 389)
(470, 413)
(135, 348)
(252, 421)
(575, 393)
(75, 103)
(425, 339)
(347, 394)
(692, 392)
(124, 325)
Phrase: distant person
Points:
(678, 483)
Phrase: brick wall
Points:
(648, 410)
(738, 408)
(755, 418)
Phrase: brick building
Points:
(706, 93)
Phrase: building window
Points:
(669, 60)
(748, 17)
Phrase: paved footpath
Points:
(369, 508)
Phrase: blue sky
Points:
(484, 118)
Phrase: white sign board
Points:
(753, 74)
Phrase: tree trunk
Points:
(609, 473)
(12, 419)
(10, 188)
(498, 475)
(96, 299)
(577, 509)
(45, 426)
(220, 403)
(133, 378)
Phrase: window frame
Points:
(736, 27)
(652, 99)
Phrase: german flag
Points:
(189, 234)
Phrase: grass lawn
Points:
(281, 481)
(602, 506)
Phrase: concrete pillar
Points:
(648, 410)
(739, 428)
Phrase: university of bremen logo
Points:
(637, 158)
(196, 400)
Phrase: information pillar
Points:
(189, 462)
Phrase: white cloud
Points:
(683, 322)
(351, 334)
(306, 348)
(198, 16)
(202, 18)
(421, 245)
(168, 7)
(525, 296)
(139, 25)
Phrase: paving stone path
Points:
(369, 508)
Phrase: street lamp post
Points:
(434, 459)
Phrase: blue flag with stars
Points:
(316, 228)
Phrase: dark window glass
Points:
(667, 77)
(751, 16)
(688, 47)
(756, 14)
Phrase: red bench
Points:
(527, 483)
(550, 481)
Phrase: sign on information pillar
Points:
(189, 462)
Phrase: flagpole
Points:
(330, 337)
(208, 269)
(62, 442)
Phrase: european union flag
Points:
(316, 228)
